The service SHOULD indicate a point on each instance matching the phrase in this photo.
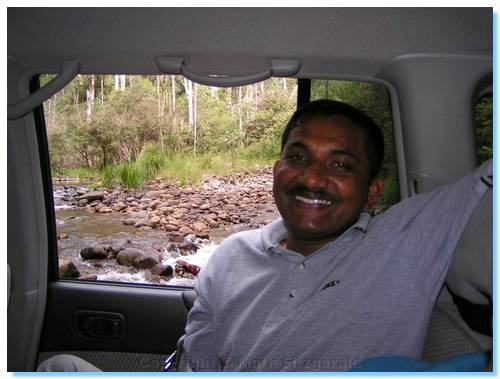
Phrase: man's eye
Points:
(296, 157)
(342, 166)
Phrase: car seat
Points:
(462, 318)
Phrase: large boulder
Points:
(93, 252)
(145, 261)
(67, 269)
(136, 258)
(126, 256)
(92, 195)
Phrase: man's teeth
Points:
(313, 201)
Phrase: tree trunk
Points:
(240, 110)
(122, 82)
(230, 97)
(188, 86)
(173, 96)
(195, 112)
(214, 92)
(160, 109)
(90, 97)
(76, 96)
(102, 89)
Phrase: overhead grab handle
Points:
(277, 67)
(70, 70)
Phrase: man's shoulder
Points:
(243, 239)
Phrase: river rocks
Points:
(186, 230)
(155, 220)
(62, 236)
(176, 237)
(93, 252)
(154, 194)
(239, 201)
(120, 206)
(114, 247)
(143, 222)
(83, 202)
(68, 270)
(199, 227)
(154, 204)
(127, 256)
(204, 206)
(162, 270)
(136, 258)
(145, 261)
(92, 195)
(171, 228)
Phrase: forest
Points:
(127, 129)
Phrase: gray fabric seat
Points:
(470, 278)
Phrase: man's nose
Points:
(314, 177)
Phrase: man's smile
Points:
(317, 202)
(312, 201)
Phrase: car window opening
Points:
(151, 173)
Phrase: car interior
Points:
(435, 63)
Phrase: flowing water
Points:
(82, 229)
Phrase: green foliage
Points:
(109, 176)
(81, 173)
(483, 113)
(134, 175)
(390, 193)
(131, 176)
(134, 134)
(270, 120)
(374, 100)
(150, 162)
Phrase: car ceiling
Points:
(330, 42)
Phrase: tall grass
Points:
(191, 168)
(149, 162)
(187, 168)
(81, 173)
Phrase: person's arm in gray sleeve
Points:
(200, 341)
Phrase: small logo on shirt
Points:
(333, 283)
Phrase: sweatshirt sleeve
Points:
(429, 226)
(199, 341)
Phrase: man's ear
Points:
(374, 191)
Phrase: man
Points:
(328, 286)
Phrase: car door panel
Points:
(101, 317)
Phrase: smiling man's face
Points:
(322, 180)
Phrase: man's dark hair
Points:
(328, 108)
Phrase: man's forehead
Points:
(334, 127)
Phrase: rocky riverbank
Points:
(169, 224)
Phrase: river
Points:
(78, 228)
